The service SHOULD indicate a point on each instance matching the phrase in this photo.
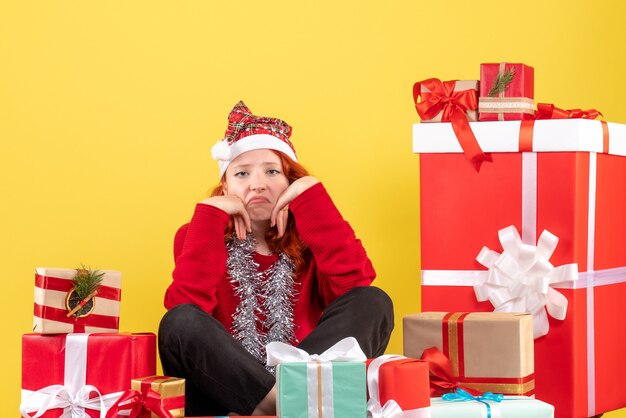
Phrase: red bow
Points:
(453, 104)
(441, 378)
(550, 111)
(135, 402)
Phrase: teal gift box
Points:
(509, 407)
(329, 385)
(300, 393)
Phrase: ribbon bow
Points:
(391, 409)
(59, 396)
(135, 401)
(345, 350)
(442, 380)
(550, 111)
(453, 104)
(519, 279)
(461, 395)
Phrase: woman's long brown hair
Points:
(290, 243)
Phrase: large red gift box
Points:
(515, 101)
(67, 369)
(572, 185)
(396, 383)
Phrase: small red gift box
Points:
(506, 92)
(570, 182)
(81, 371)
(398, 383)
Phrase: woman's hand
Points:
(233, 206)
(280, 213)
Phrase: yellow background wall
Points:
(108, 111)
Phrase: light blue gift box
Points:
(299, 395)
(509, 407)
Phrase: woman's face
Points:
(257, 178)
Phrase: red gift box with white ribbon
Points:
(70, 374)
(397, 387)
(541, 229)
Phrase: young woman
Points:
(267, 257)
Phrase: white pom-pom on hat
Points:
(221, 151)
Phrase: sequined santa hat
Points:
(247, 132)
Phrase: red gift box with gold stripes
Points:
(488, 351)
(53, 287)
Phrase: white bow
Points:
(345, 350)
(520, 278)
(391, 409)
(74, 405)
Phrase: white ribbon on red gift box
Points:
(74, 396)
(345, 350)
(391, 409)
(519, 279)
(587, 280)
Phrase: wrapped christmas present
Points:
(397, 387)
(461, 404)
(319, 386)
(454, 102)
(77, 300)
(151, 397)
(436, 100)
(506, 92)
(539, 229)
(70, 374)
(488, 351)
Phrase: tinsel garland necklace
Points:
(268, 295)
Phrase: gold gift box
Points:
(167, 387)
(488, 351)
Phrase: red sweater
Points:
(339, 261)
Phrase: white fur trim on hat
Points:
(225, 154)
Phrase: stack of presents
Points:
(76, 364)
(523, 284)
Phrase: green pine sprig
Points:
(86, 281)
(502, 82)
